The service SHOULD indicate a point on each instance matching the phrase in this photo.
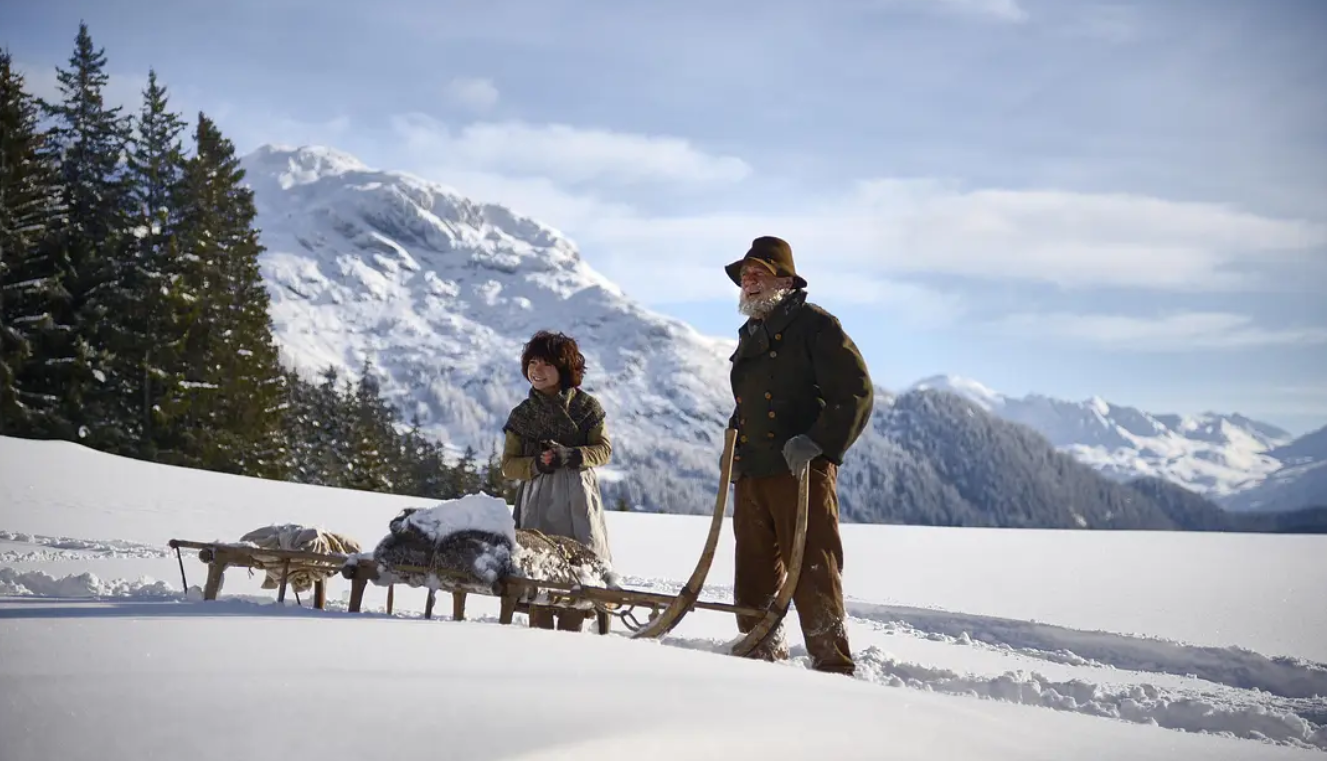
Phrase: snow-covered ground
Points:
(991, 644)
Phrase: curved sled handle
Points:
(779, 606)
(686, 598)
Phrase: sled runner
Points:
(519, 592)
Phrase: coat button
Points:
(778, 336)
(739, 400)
(774, 354)
(743, 439)
(771, 413)
(769, 435)
(768, 395)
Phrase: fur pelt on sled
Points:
(480, 558)
(292, 536)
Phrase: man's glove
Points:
(799, 451)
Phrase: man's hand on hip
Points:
(799, 451)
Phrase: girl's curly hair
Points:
(558, 350)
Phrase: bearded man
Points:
(802, 396)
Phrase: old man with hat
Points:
(802, 395)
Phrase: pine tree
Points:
(374, 447)
(156, 172)
(333, 418)
(32, 297)
(300, 429)
(231, 415)
(91, 139)
(495, 484)
(427, 473)
(465, 476)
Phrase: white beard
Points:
(760, 305)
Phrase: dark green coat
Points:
(796, 372)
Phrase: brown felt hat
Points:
(774, 253)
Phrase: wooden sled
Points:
(519, 593)
(220, 555)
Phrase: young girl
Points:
(554, 440)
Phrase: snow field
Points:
(1117, 630)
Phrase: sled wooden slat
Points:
(331, 558)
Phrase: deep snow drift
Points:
(992, 644)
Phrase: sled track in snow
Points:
(1236, 667)
(1232, 666)
(1242, 714)
(50, 548)
(1275, 700)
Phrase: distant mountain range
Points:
(1299, 482)
(436, 293)
(1241, 463)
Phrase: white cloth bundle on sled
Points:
(473, 541)
(292, 536)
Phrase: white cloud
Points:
(889, 229)
(664, 280)
(474, 93)
(883, 231)
(566, 153)
(537, 197)
(1176, 332)
(869, 244)
(1073, 239)
(915, 304)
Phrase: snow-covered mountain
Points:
(1213, 454)
(438, 293)
(1300, 482)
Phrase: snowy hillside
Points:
(1301, 481)
(1211, 454)
(439, 293)
(967, 647)
(1294, 486)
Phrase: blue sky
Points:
(1071, 198)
